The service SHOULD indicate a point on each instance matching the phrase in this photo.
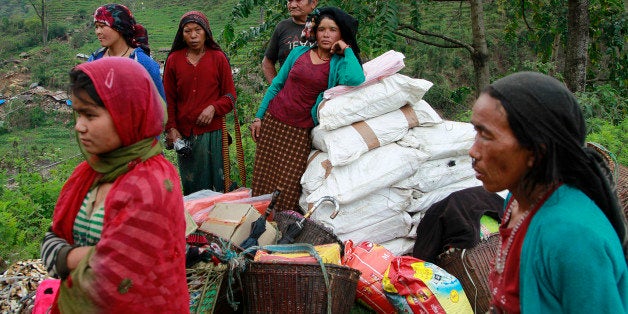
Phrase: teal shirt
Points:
(572, 260)
(343, 70)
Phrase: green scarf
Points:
(115, 163)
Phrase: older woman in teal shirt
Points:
(563, 236)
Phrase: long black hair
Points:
(545, 117)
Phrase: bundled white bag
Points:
(318, 168)
(375, 207)
(384, 65)
(437, 173)
(421, 201)
(394, 227)
(447, 139)
(390, 93)
(375, 170)
(399, 246)
(346, 144)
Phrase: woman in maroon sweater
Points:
(200, 92)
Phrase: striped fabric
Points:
(50, 247)
(89, 221)
(280, 161)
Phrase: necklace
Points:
(319, 56)
(122, 55)
(502, 254)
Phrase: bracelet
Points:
(256, 119)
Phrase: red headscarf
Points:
(137, 110)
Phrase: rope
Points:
(226, 162)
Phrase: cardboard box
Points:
(233, 222)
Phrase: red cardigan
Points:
(190, 89)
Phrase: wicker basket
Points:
(622, 188)
(222, 304)
(471, 267)
(312, 232)
(298, 288)
(204, 281)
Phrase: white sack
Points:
(377, 206)
(375, 170)
(416, 219)
(318, 168)
(434, 174)
(422, 201)
(348, 143)
(447, 139)
(399, 246)
(384, 65)
(391, 93)
(388, 229)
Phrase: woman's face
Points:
(327, 33)
(94, 125)
(107, 36)
(500, 161)
(194, 36)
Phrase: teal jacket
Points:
(343, 70)
(572, 260)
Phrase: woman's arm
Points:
(279, 80)
(350, 70)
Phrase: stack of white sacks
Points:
(385, 155)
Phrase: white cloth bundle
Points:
(348, 143)
(390, 93)
(318, 168)
(437, 173)
(399, 246)
(377, 206)
(397, 226)
(447, 139)
(384, 65)
(421, 201)
(376, 169)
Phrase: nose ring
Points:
(473, 161)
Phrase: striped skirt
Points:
(280, 161)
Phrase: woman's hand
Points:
(339, 47)
(256, 128)
(171, 136)
(76, 255)
(206, 116)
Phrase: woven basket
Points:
(222, 304)
(312, 232)
(471, 267)
(204, 281)
(622, 188)
(298, 288)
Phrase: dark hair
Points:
(199, 18)
(81, 81)
(346, 23)
(545, 118)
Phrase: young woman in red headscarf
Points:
(200, 92)
(120, 35)
(118, 229)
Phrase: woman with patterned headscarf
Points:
(200, 92)
(289, 109)
(118, 229)
(121, 36)
(563, 237)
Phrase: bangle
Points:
(256, 119)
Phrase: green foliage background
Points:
(37, 146)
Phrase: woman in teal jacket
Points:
(288, 111)
(563, 237)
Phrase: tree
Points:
(576, 54)
(41, 13)
(384, 22)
